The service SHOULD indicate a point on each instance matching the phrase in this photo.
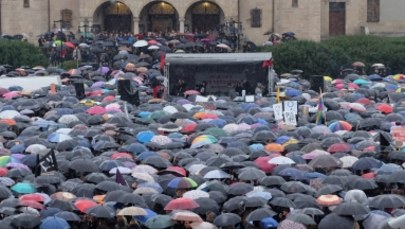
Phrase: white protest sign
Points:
(291, 106)
(250, 98)
(278, 111)
(289, 118)
(201, 99)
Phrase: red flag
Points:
(120, 179)
(267, 63)
(162, 61)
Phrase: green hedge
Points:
(327, 57)
(19, 53)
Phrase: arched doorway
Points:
(203, 16)
(158, 16)
(113, 17)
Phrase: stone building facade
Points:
(309, 19)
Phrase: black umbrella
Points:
(156, 162)
(282, 202)
(335, 221)
(387, 201)
(239, 188)
(305, 201)
(366, 163)
(68, 216)
(206, 205)
(160, 199)
(248, 174)
(397, 177)
(270, 181)
(83, 165)
(62, 205)
(218, 196)
(108, 186)
(311, 211)
(26, 220)
(9, 202)
(234, 204)
(301, 218)
(227, 219)
(96, 178)
(84, 190)
(5, 192)
(101, 212)
(351, 208)
(329, 189)
(363, 184)
(296, 187)
(260, 213)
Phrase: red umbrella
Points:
(3, 172)
(181, 204)
(152, 42)
(69, 44)
(84, 204)
(32, 197)
(189, 128)
(364, 101)
(384, 108)
(339, 147)
(121, 155)
(31, 204)
(262, 163)
(96, 110)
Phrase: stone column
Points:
(136, 25)
(181, 21)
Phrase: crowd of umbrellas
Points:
(177, 163)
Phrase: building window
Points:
(66, 16)
(373, 10)
(256, 15)
(294, 3)
(26, 3)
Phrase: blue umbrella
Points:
(53, 222)
(144, 218)
(20, 148)
(145, 136)
(291, 92)
(57, 137)
(268, 222)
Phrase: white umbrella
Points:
(35, 148)
(140, 43)
(153, 47)
(224, 46)
(348, 161)
(281, 161)
(195, 194)
(9, 114)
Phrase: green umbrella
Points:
(87, 34)
(216, 132)
(58, 43)
(4, 160)
(159, 221)
(23, 188)
(157, 114)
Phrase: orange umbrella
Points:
(84, 204)
(99, 198)
(8, 121)
(274, 147)
(329, 200)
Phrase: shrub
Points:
(19, 53)
(311, 57)
(329, 56)
(69, 64)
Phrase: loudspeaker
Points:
(80, 92)
(126, 93)
(317, 83)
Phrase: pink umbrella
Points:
(96, 110)
(353, 86)
(357, 107)
(314, 154)
(12, 94)
(109, 98)
(191, 92)
(113, 107)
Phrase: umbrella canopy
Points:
(227, 219)
(181, 204)
(54, 222)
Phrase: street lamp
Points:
(60, 23)
(85, 26)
